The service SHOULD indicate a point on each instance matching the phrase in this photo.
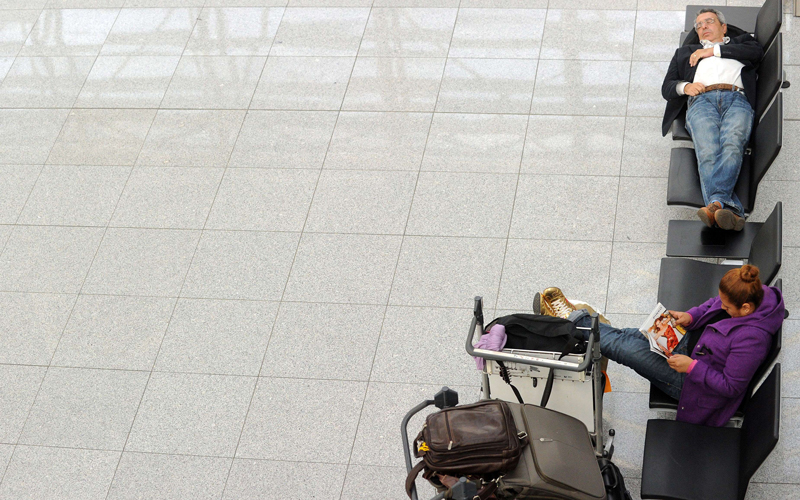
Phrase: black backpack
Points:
(536, 332)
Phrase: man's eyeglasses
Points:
(699, 24)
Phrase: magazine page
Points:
(662, 332)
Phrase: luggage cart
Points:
(582, 372)
(577, 387)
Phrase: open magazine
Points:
(662, 331)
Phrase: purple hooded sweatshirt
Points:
(728, 354)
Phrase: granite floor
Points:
(241, 238)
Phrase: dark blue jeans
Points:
(720, 122)
(629, 347)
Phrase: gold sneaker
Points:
(554, 303)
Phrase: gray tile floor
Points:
(240, 238)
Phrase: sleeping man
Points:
(717, 80)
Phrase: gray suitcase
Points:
(559, 463)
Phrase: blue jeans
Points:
(629, 347)
(720, 122)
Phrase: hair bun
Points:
(748, 273)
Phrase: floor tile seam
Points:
(97, 250)
(610, 264)
(38, 176)
(189, 455)
(132, 167)
(619, 181)
(233, 146)
(422, 158)
(521, 159)
(119, 198)
(513, 202)
(74, 303)
(346, 110)
(326, 56)
(411, 235)
(27, 199)
(403, 235)
(633, 45)
(188, 268)
(447, 57)
(80, 226)
(297, 248)
(95, 59)
(8, 464)
(183, 298)
(184, 372)
(351, 170)
(5, 241)
(64, 447)
(158, 352)
(343, 110)
(133, 420)
(397, 260)
(330, 139)
(28, 35)
(47, 7)
(35, 397)
(325, 156)
(27, 416)
(141, 452)
(253, 377)
(193, 56)
(324, 7)
(391, 304)
(118, 9)
(500, 238)
(258, 81)
(75, 367)
(252, 397)
(305, 223)
(183, 51)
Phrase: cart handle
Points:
(477, 318)
(463, 490)
(404, 435)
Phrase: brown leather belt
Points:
(722, 86)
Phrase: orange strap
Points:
(608, 383)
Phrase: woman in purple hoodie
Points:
(710, 383)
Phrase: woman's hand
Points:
(681, 318)
(679, 362)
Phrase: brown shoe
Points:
(707, 214)
(554, 303)
(728, 220)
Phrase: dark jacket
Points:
(728, 354)
(744, 48)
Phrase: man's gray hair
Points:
(719, 14)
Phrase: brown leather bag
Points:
(480, 439)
